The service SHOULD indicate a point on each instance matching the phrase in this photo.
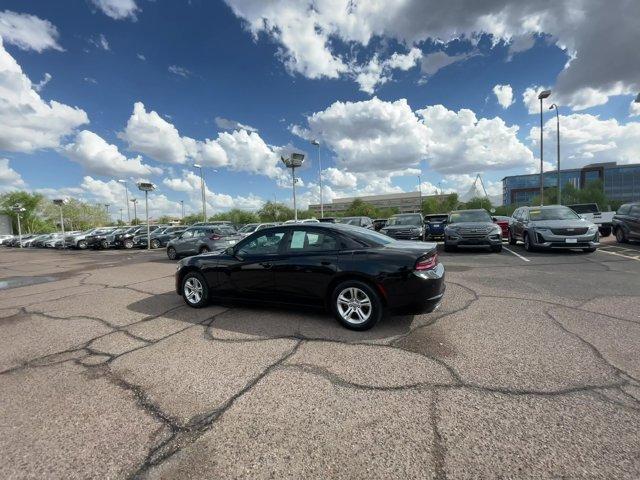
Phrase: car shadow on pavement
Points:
(233, 319)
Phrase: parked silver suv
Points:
(552, 226)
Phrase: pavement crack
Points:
(439, 448)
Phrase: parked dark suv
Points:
(472, 228)
(434, 225)
(405, 226)
(202, 239)
(364, 222)
(626, 222)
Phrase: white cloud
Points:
(28, 122)
(118, 9)
(634, 108)
(28, 32)
(9, 178)
(100, 42)
(339, 178)
(504, 95)
(40, 85)
(433, 62)
(531, 101)
(312, 33)
(227, 124)
(587, 139)
(180, 71)
(99, 157)
(141, 57)
(377, 72)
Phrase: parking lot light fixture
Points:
(554, 106)
(126, 197)
(317, 144)
(541, 96)
(60, 202)
(135, 211)
(18, 209)
(293, 162)
(147, 187)
(202, 188)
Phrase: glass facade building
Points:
(621, 182)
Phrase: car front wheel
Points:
(204, 249)
(528, 246)
(620, 236)
(155, 244)
(512, 239)
(194, 290)
(128, 244)
(356, 305)
(171, 253)
(496, 248)
(82, 244)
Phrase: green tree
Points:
(165, 219)
(31, 220)
(360, 208)
(274, 212)
(191, 219)
(438, 204)
(236, 215)
(592, 192)
(478, 202)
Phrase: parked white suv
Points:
(591, 213)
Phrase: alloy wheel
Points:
(354, 305)
(193, 290)
(155, 244)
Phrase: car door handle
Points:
(266, 265)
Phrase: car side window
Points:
(187, 234)
(635, 211)
(269, 243)
(311, 241)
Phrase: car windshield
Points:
(369, 237)
(436, 218)
(225, 230)
(248, 228)
(405, 220)
(469, 216)
(357, 221)
(554, 213)
(585, 208)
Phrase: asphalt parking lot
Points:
(530, 369)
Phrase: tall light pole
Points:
(204, 200)
(420, 190)
(293, 162)
(18, 209)
(182, 209)
(554, 106)
(541, 96)
(147, 187)
(126, 194)
(121, 209)
(317, 144)
(60, 202)
(106, 207)
(135, 213)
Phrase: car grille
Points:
(474, 232)
(569, 231)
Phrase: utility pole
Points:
(182, 209)
(317, 144)
(202, 188)
(18, 209)
(541, 96)
(135, 213)
(558, 142)
(126, 194)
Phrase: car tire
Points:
(195, 290)
(128, 244)
(82, 244)
(621, 237)
(512, 239)
(155, 243)
(496, 248)
(204, 249)
(604, 231)
(528, 246)
(367, 314)
(104, 244)
(172, 253)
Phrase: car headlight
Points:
(496, 229)
(593, 228)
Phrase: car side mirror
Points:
(494, 219)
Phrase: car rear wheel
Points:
(128, 244)
(356, 305)
(512, 239)
(204, 249)
(82, 244)
(620, 236)
(104, 244)
(194, 290)
(171, 253)
(528, 246)
(155, 243)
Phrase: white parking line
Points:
(620, 254)
(517, 254)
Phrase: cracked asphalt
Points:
(530, 369)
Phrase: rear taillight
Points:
(215, 237)
(427, 263)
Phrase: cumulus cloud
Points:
(227, 124)
(40, 85)
(180, 71)
(118, 9)
(312, 33)
(634, 108)
(99, 157)
(28, 32)
(100, 42)
(378, 72)
(588, 139)
(339, 178)
(9, 178)
(504, 95)
(28, 122)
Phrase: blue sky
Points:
(285, 72)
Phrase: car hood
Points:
(400, 227)
(561, 223)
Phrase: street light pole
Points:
(558, 142)
(204, 201)
(60, 202)
(121, 221)
(293, 162)
(126, 193)
(18, 209)
(317, 144)
(147, 187)
(135, 213)
(420, 189)
(182, 209)
(106, 207)
(541, 96)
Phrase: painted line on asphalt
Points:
(619, 254)
(517, 254)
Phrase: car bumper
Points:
(420, 292)
(549, 240)
(405, 236)
(486, 241)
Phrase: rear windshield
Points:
(555, 213)
(585, 208)
(357, 221)
(405, 220)
(436, 218)
(469, 216)
(248, 228)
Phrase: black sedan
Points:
(357, 274)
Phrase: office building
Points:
(621, 182)
(406, 202)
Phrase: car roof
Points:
(546, 206)
(470, 210)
